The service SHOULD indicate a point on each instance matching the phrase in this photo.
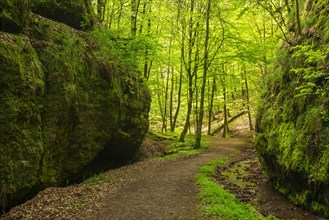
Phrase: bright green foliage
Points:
(292, 122)
(216, 203)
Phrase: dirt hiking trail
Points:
(156, 190)
(167, 191)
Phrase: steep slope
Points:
(293, 117)
(64, 103)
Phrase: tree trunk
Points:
(217, 130)
(189, 109)
(164, 128)
(171, 102)
(147, 64)
(134, 13)
(299, 29)
(180, 74)
(190, 75)
(247, 99)
(99, 9)
(225, 133)
(159, 90)
(213, 89)
(196, 105)
(204, 79)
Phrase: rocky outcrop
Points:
(75, 13)
(293, 117)
(64, 104)
(13, 15)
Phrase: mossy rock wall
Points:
(292, 133)
(63, 105)
(75, 13)
(13, 15)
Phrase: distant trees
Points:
(196, 82)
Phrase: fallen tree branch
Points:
(217, 130)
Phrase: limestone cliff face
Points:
(64, 104)
(293, 118)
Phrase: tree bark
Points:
(204, 78)
(190, 75)
(225, 114)
(299, 29)
(171, 102)
(189, 109)
(248, 99)
(213, 89)
(134, 13)
(164, 125)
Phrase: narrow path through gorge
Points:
(150, 190)
(167, 191)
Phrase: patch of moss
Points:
(21, 86)
(292, 129)
(75, 13)
(64, 105)
(13, 15)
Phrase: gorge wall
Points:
(64, 102)
(292, 133)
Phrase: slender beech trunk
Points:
(165, 111)
(247, 99)
(171, 102)
(204, 78)
(213, 89)
(196, 105)
(179, 85)
(225, 132)
(189, 109)
(143, 13)
(299, 28)
(147, 62)
(110, 17)
(164, 124)
(134, 13)
(159, 90)
(190, 75)
(99, 9)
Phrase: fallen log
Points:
(217, 130)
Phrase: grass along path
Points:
(216, 202)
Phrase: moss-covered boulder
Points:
(75, 13)
(293, 117)
(13, 15)
(64, 104)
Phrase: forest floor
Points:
(160, 189)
